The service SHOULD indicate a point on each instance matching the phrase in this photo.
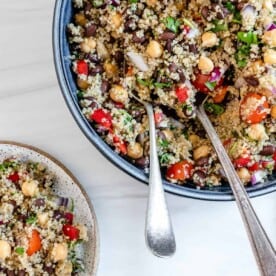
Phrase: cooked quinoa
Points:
(166, 52)
(38, 234)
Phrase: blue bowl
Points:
(62, 16)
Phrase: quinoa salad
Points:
(38, 232)
(167, 52)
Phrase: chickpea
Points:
(244, 175)
(215, 180)
(82, 84)
(116, 20)
(119, 94)
(30, 188)
(42, 219)
(202, 151)
(102, 50)
(154, 49)
(88, 45)
(168, 134)
(273, 112)
(257, 132)
(80, 19)
(270, 56)
(194, 139)
(151, 3)
(5, 250)
(64, 268)
(205, 64)
(135, 151)
(59, 252)
(209, 39)
(110, 69)
(269, 37)
(83, 232)
(268, 5)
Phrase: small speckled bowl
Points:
(67, 186)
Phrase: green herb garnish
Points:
(172, 24)
(31, 219)
(76, 262)
(211, 85)
(218, 26)
(19, 250)
(133, 1)
(144, 82)
(247, 37)
(163, 143)
(165, 158)
(97, 3)
(237, 15)
(151, 84)
(162, 84)
(8, 164)
(214, 108)
(80, 95)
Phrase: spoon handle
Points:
(263, 249)
(159, 233)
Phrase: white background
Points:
(210, 236)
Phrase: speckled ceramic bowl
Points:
(67, 186)
(62, 17)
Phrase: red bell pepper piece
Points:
(102, 117)
(182, 93)
(241, 162)
(72, 232)
(82, 67)
(14, 177)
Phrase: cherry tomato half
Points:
(180, 171)
(71, 232)
(253, 108)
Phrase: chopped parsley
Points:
(80, 95)
(245, 39)
(77, 263)
(165, 158)
(163, 143)
(162, 84)
(211, 85)
(172, 24)
(236, 14)
(97, 3)
(214, 108)
(218, 26)
(152, 84)
(19, 250)
(31, 219)
(133, 1)
(8, 164)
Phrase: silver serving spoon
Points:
(158, 231)
(159, 234)
(262, 247)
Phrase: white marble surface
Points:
(210, 237)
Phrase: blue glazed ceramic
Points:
(62, 16)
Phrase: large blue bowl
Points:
(62, 16)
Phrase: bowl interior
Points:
(63, 16)
(65, 186)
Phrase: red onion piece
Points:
(138, 61)
(257, 177)
(271, 27)
(216, 74)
